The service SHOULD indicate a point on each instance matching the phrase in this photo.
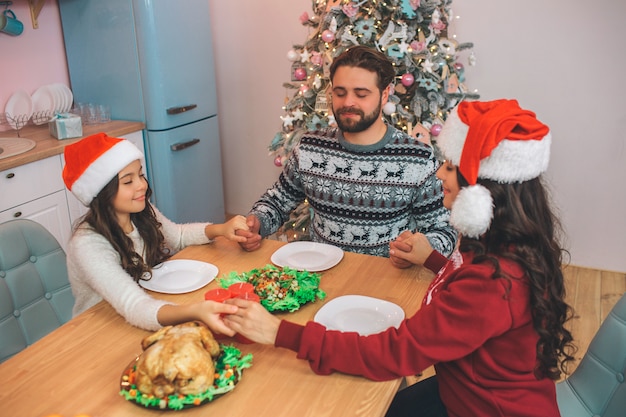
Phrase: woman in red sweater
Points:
(492, 320)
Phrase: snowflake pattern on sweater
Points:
(362, 197)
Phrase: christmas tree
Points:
(414, 34)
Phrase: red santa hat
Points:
(495, 140)
(92, 162)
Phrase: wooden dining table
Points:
(76, 369)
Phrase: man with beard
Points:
(365, 181)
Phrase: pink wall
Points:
(34, 58)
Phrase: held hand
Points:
(400, 244)
(211, 314)
(252, 238)
(234, 225)
(253, 321)
(420, 249)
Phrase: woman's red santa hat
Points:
(92, 162)
(495, 140)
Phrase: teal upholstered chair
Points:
(597, 386)
(35, 294)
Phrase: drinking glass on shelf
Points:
(104, 113)
(91, 118)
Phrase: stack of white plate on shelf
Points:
(49, 100)
(44, 103)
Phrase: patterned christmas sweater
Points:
(362, 196)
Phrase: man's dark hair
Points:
(369, 59)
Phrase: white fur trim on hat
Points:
(100, 172)
(511, 161)
(451, 139)
(472, 211)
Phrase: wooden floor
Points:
(591, 293)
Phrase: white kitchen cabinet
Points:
(76, 208)
(36, 191)
(50, 211)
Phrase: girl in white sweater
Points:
(123, 236)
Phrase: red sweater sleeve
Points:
(469, 311)
(435, 261)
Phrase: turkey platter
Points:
(177, 360)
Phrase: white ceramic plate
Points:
(43, 105)
(180, 276)
(66, 95)
(58, 98)
(307, 256)
(359, 313)
(19, 106)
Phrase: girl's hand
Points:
(236, 223)
(209, 312)
(228, 229)
(212, 313)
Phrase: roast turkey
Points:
(177, 360)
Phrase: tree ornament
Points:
(293, 55)
(278, 161)
(328, 36)
(471, 59)
(421, 133)
(407, 79)
(452, 84)
(435, 129)
(296, 71)
(299, 74)
(304, 56)
(287, 121)
(389, 108)
(321, 102)
(298, 114)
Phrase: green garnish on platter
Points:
(280, 288)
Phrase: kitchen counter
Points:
(47, 145)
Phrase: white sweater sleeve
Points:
(95, 273)
(179, 236)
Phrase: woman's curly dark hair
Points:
(101, 217)
(525, 230)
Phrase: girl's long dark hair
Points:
(101, 217)
(525, 229)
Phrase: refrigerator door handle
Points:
(181, 109)
(184, 145)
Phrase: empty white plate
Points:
(307, 256)
(18, 109)
(179, 276)
(359, 313)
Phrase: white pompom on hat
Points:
(495, 140)
(92, 162)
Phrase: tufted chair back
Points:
(35, 294)
(597, 386)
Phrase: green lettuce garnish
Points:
(280, 289)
